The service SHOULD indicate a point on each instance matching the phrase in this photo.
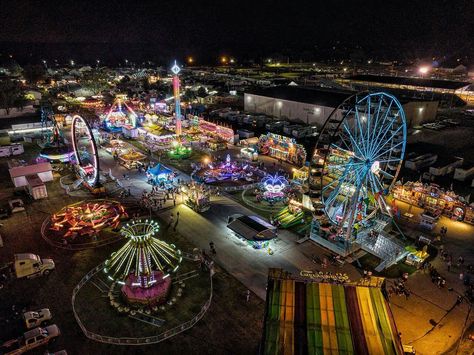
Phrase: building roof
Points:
(252, 228)
(159, 169)
(30, 169)
(308, 95)
(34, 180)
(303, 316)
(420, 82)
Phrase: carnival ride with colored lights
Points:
(356, 162)
(119, 115)
(197, 197)
(86, 154)
(131, 159)
(142, 267)
(228, 170)
(179, 151)
(83, 218)
(274, 187)
(54, 147)
(290, 215)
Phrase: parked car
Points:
(4, 213)
(30, 340)
(16, 205)
(37, 318)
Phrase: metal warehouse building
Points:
(314, 105)
(435, 87)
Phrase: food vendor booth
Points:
(283, 148)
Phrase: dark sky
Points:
(137, 28)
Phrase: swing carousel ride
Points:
(143, 266)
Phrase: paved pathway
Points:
(250, 266)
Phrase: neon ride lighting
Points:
(177, 104)
(274, 184)
(88, 172)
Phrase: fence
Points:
(134, 341)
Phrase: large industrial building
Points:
(314, 105)
(435, 88)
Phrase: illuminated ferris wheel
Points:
(357, 159)
(85, 151)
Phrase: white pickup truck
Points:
(30, 340)
(37, 318)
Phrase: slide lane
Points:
(313, 316)
(344, 337)
(282, 302)
(289, 309)
(300, 335)
(328, 321)
(379, 304)
(355, 320)
(273, 312)
(371, 331)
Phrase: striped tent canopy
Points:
(306, 317)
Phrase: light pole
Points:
(423, 70)
(279, 104)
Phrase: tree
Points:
(9, 94)
(188, 95)
(34, 73)
(201, 92)
(95, 81)
(145, 84)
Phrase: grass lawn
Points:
(370, 262)
(98, 315)
(231, 325)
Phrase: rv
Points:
(12, 149)
(304, 132)
(417, 162)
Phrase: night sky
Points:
(245, 29)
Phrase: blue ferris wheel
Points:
(357, 158)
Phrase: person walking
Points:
(449, 265)
(248, 295)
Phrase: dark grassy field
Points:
(231, 325)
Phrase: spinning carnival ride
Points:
(85, 151)
(356, 162)
(120, 115)
(54, 146)
(144, 264)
